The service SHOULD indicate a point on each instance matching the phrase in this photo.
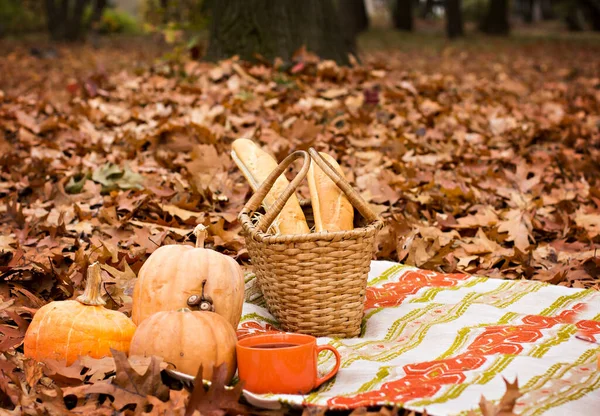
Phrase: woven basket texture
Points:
(314, 283)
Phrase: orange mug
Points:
(281, 363)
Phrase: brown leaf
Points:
(589, 222)
(315, 411)
(175, 406)
(8, 389)
(218, 400)
(12, 337)
(28, 122)
(485, 217)
(119, 290)
(481, 244)
(518, 225)
(84, 369)
(184, 214)
(507, 403)
(129, 386)
(33, 371)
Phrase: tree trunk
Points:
(99, 6)
(95, 22)
(75, 24)
(51, 18)
(427, 9)
(593, 8)
(276, 29)
(164, 6)
(575, 18)
(528, 10)
(454, 21)
(353, 20)
(65, 19)
(496, 20)
(547, 10)
(354, 15)
(403, 17)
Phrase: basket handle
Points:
(355, 199)
(257, 198)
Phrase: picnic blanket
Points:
(439, 341)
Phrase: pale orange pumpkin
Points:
(188, 339)
(65, 330)
(174, 275)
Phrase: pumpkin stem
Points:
(91, 295)
(203, 302)
(200, 233)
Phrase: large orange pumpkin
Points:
(65, 330)
(188, 339)
(174, 276)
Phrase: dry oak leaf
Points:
(589, 222)
(314, 411)
(217, 401)
(175, 406)
(12, 337)
(505, 406)
(130, 387)
(485, 217)
(90, 369)
(33, 371)
(184, 214)
(518, 225)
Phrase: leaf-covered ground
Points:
(481, 158)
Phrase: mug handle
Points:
(338, 361)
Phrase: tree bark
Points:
(75, 23)
(496, 20)
(354, 15)
(454, 20)
(547, 10)
(353, 20)
(164, 6)
(427, 9)
(65, 19)
(277, 29)
(593, 7)
(575, 19)
(403, 15)
(99, 6)
(51, 19)
(528, 10)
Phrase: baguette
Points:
(331, 209)
(256, 165)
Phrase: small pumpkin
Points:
(172, 278)
(65, 330)
(188, 339)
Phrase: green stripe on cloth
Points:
(432, 343)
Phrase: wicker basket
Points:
(313, 283)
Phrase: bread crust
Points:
(256, 165)
(331, 208)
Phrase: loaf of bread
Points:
(331, 209)
(256, 165)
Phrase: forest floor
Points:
(482, 155)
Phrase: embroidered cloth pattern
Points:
(439, 341)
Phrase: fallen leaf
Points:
(114, 177)
(129, 386)
(218, 400)
(506, 405)
(518, 225)
(181, 213)
(589, 222)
